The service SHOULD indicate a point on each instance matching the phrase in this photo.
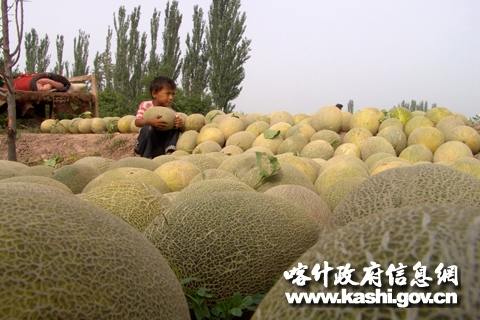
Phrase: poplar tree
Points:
(228, 51)
(59, 66)
(195, 62)
(170, 64)
(43, 58)
(80, 54)
(31, 47)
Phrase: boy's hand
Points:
(178, 122)
(157, 123)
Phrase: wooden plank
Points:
(81, 78)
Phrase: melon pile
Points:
(246, 197)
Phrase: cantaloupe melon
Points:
(73, 128)
(229, 255)
(467, 135)
(434, 234)
(328, 118)
(242, 139)
(38, 170)
(270, 143)
(374, 145)
(47, 125)
(75, 176)
(212, 114)
(306, 165)
(368, 118)
(100, 163)
(318, 149)
(85, 126)
(346, 121)
(400, 187)
(165, 114)
(349, 149)
(124, 123)
(416, 153)
(390, 122)
(283, 127)
(164, 158)
(451, 151)
(357, 136)
(417, 122)
(68, 259)
(329, 136)
(281, 116)
(258, 127)
(400, 113)
(305, 130)
(437, 114)
(98, 125)
(231, 125)
(134, 162)
(470, 166)
(293, 144)
(135, 202)
(129, 174)
(177, 174)
(448, 123)
(208, 174)
(430, 137)
(195, 122)
(187, 141)
(206, 147)
(211, 134)
(395, 135)
(40, 180)
(231, 150)
(203, 161)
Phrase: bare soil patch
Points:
(34, 148)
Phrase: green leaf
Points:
(271, 134)
(237, 312)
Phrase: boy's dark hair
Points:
(339, 106)
(161, 82)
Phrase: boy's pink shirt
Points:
(144, 106)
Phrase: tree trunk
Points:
(12, 116)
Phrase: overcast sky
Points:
(310, 53)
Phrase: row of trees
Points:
(209, 72)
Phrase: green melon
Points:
(242, 139)
(211, 134)
(98, 125)
(73, 127)
(318, 149)
(206, 147)
(281, 116)
(165, 114)
(438, 113)
(430, 137)
(187, 141)
(38, 170)
(124, 123)
(258, 127)
(396, 137)
(135, 202)
(195, 122)
(293, 144)
(430, 234)
(416, 185)
(304, 129)
(374, 145)
(231, 150)
(368, 118)
(229, 254)
(451, 151)
(305, 199)
(177, 174)
(128, 174)
(85, 126)
(357, 136)
(329, 136)
(75, 176)
(209, 174)
(417, 153)
(40, 180)
(390, 122)
(402, 114)
(99, 163)
(467, 165)
(306, 165)
(67, 259)
(347, 149)
(134, 162)
(467, 135)
(47, 125)
(231, 125)
(417, 122)
(329, 118)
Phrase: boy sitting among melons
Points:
(161, 126)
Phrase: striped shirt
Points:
(144, 105)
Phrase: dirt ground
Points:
(34, 148)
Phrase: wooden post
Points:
(95, 95)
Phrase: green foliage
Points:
(170, 64)
(195, 62)
(228, 51)
(80, 54)
(43, 58)
(203, 304)
(192, 104)
(414, 106)
(60, 65)
(271, 134)
(112, 103)
(53, 161)
(31, 46)
(350, 106)
(154, 59)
